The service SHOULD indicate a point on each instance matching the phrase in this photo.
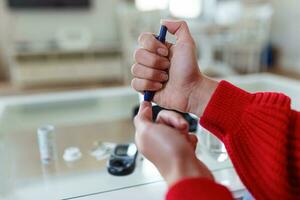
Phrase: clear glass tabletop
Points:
(81, 119)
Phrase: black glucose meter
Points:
(122, 160)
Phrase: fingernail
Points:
(162, 51)
(145, 103)
(165, 77)
(166, 64)
(158, 85)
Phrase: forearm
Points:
(187, 168)
(198, 188)
(260, 133)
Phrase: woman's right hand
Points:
(172, 71)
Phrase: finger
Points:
(144, 116)
(143, 84)
(145, 111)
(173, 119)
(193, 140)
(143, 72)
(180, 29)
(169, 45)
(144, 57)
(150, 43)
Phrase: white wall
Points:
(41, 25)
(101, 20)
(286, 31)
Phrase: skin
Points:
(172, 71)
(168, 145)
(184, 89)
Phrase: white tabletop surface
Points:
(80, 118)
(157, 190)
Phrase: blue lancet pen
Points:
(148, 96)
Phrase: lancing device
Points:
(148, 96)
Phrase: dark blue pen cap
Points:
(148, 96)
(162, 34)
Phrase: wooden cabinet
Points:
(61, 68)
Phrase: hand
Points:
(168, 145)
(172, 71)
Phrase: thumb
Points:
(193, 140)
(180, 29)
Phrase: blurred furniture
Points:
(238, 41)
(60, 66)
(62, 46)
(247, 39)
(3, 49)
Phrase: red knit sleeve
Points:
(198, 189)
(262, 136)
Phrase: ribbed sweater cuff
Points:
(225, 109)
(198, 188)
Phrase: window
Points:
(177, 8)
(186, 8)
(146, 5)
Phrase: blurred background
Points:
(66, 63)
(88, 43)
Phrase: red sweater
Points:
(262, 136)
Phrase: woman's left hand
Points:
(168, 145)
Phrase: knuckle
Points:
(133, 84)
(154, 61)
(146, 84)
(178, 116)
(134, 69)
(184, 23)
(150, 44)
(140, 38)
(134, 54)
(153, 74)
(137, 54)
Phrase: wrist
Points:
(201, 95)
(188, 169)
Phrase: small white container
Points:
(46, 140)
(72, 154)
